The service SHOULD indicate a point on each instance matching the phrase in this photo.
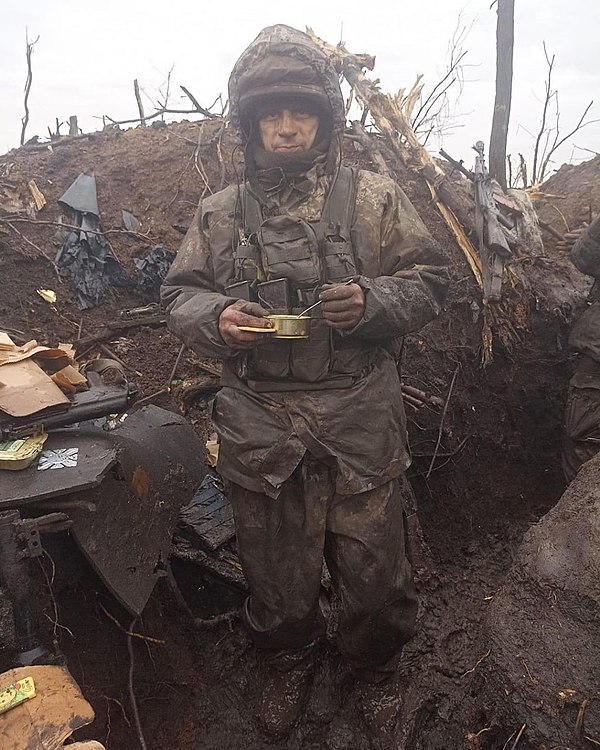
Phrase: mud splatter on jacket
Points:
(360, 430)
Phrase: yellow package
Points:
(15, 694)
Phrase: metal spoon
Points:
(346, 283)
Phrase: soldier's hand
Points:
(243, 313)
(343, 305)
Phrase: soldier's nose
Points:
(286, 123)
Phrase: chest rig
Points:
(282, 262)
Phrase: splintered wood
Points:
(392, 117)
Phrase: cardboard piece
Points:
(24, 387)
(47, 720)
(56, 358)
(68, 379)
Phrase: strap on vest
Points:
(340, 202)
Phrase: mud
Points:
(496, 470)
(545, 610)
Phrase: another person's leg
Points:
(582, 418)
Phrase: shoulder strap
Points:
(340, 202)
(251, 210)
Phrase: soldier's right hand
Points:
(242, 313)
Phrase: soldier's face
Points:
(286, 129)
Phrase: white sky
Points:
(89, 53)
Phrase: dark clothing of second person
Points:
(582, 418)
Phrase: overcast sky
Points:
(88, 55)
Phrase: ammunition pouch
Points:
(289, 250)
(283, 265)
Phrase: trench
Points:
(196, 680)
(196, 677)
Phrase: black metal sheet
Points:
(123, 519)
(95, 458)
(130, 532)
(82, 195)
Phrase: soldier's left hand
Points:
(343, 305)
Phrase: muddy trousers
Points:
(582, 417)
(282, 543)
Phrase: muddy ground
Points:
(496, 470)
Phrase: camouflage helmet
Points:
(283, 63)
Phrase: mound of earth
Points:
(485, 465)
(543, 623)
(570, 198)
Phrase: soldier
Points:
(582, 420)
(312, 432)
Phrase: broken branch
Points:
(39, 250)
(367, 145)
(28, 82)
(129, 632)
(439, 437)
(197, 104)
(12, 219)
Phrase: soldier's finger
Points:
(337, 291)
(341, 317)
(338, 305)
(242, 319)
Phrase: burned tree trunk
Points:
(505, 35)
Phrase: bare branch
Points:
(544, 113)
(167, 89)
(417, 126)
(158, 113)
(557, 143)
(197, 104)
(426, 106)
(28, 82)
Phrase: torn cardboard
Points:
(24, 387)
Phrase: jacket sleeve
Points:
(586, 251)
(414, 272)
(191, 294)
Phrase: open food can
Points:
(290, 326)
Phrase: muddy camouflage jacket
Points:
(585, 336)
(360, 430)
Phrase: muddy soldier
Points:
(312, 432)
(582, 422)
